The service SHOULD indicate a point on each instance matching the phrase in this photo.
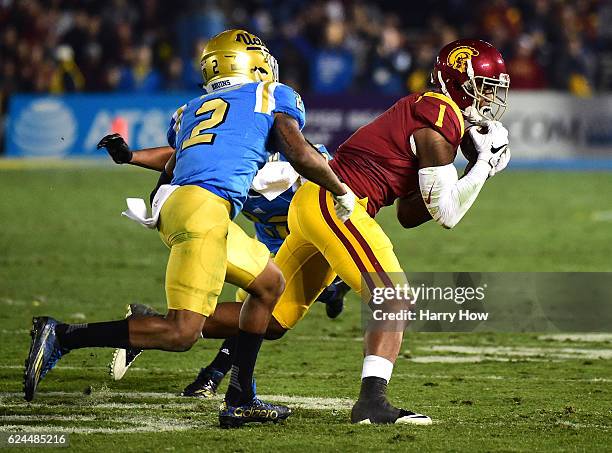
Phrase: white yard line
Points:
(562, 423)
(140, 423)
(149, 428)
(137, 424)
(311, 402)
(585, 337)
(303, 402)
(37, 417)
(585, 425)
(533, 352)
(192, 404)
(154, 423)
(464, 359)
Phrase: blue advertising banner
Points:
(72, 125)
(545, 127)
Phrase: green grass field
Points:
(66, 251)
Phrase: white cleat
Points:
(379, 411)
(412, 418)
(405, 418)
(123, 358)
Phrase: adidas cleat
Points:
(44, 353)
(123, 358)
(205, 385)
(256, 411)
(380, 411)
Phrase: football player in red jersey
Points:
(408, 149)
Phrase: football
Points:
(468, 149)
(411, 210)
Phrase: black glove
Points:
(117, 149)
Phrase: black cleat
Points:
(255, 411)
(205, 384)
(123, 358)
(380, 411)
(334, 307)
(45, 351)
(333, 297)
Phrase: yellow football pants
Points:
(206, 248)
(319, 246)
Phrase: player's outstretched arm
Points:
(446, 196)
(288, 139)
(151, 158)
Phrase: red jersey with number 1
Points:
(377, 161)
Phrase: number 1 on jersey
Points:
(441, 115)
(218, 107)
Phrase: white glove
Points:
(502, 162)
(492, 146)
(344, 204)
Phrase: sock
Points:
(223, 360)
(240, 389)
(374, 365)
(112, 334)
(375, 376)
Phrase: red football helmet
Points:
(473, 74)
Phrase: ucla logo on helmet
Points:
(249, 40)
(458, 57)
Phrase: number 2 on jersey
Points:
(218, 109)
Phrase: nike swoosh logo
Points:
(430, 189)
(499, 148)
